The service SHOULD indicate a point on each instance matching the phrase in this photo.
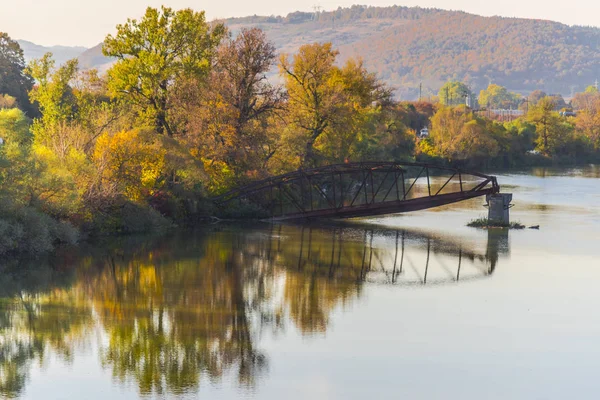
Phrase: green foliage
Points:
(454, 93)
(330, 109)
(128, 218)
(29, 231)
(485, 223)
(496, 96)
(53, 94)
(553, 133)
(16, 165)
(153, 53)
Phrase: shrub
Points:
(27, 230)
(129, 218)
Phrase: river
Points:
(414, 306)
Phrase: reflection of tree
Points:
(36, 313)
(326, 266)
(171, 318)
(177, 310)
(318, 284)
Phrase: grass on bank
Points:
(486, 223)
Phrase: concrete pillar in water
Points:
(498, 207)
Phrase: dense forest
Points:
(187, 111)
(409, 46)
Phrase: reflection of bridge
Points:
(360, 189)
(379, 255)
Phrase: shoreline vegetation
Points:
(190, 113)
(484, 223)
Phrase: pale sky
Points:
(86, 23)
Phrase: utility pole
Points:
(420, 90)
(573, 87)
(447, 96)
(317, 9)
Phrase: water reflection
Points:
(170, 313)
(387, 256)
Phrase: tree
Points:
(54, 97)
(587, 121)
(326, 103)
(496, 96)
(536, 96)
(446, 125)
(458, 135)
(314, 95)
(139, 164)
(454, 93)
(225, 118)
(14, 81)
(15, 161)
(559, 101)
(154, 53)
(552, 133)
(242, 65)
(586, 100)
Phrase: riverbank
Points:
(27, 231)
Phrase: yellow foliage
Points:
(60, 183)
(425, 147)
(221, 174)
(135, 160)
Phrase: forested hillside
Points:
(409, 46)
(522, 55)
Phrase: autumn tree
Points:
(535, 96)
(552, 133)
(154, 53)
(587, 121)
(458, 135)
(325, 101)
(586, 100)
(314, 96)
(225, 118)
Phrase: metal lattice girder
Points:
(359, 189)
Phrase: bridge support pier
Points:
(498, 207)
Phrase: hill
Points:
(93, 58)
(409, 46)
(61, 53)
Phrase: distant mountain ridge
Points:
(93, 58)
(61, 53)
(408, 46)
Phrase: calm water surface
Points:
(415, 306)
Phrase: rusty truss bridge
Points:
(358, 190)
